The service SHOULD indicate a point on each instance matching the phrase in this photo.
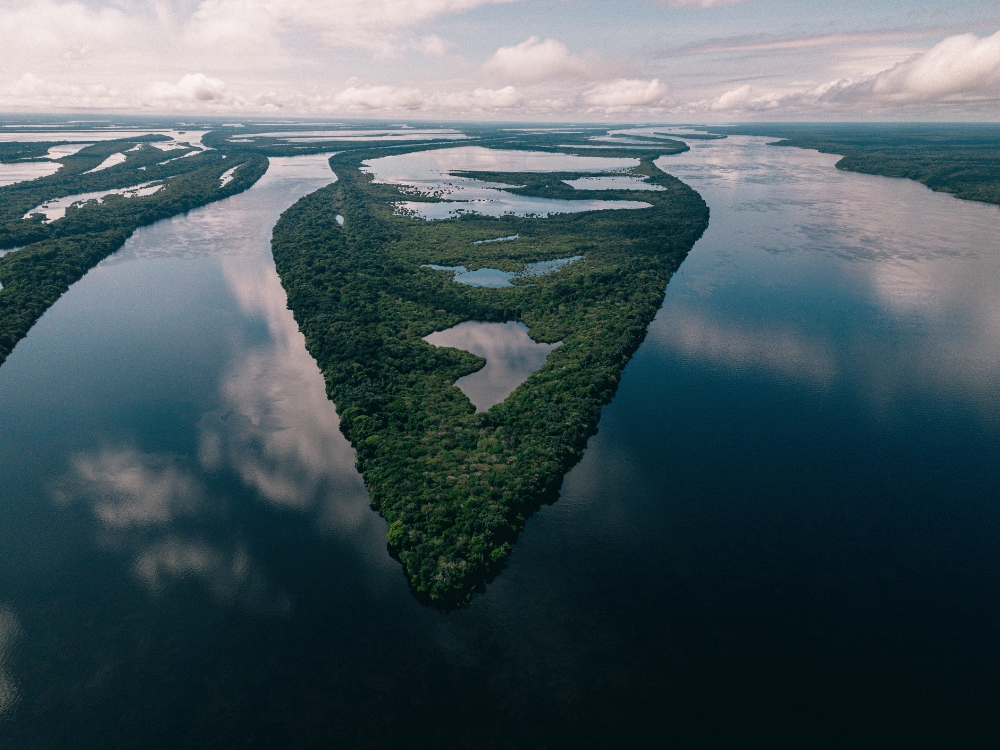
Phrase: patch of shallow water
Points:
(430, 173)
(494, 278)
(613, 182)
(497, 239)
(111, 161)
(56, 209)
(226, 177)
(510, 353)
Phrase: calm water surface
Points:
(511, 356)
(785, 533)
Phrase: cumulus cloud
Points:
(625, 93)
(960, 69)
(364, 98)
(963, 66)
(361, 97)
(194, 87)
(534, 60)
(483, 99)
(31, 91)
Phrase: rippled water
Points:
(785, 534)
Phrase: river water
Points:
(785, 533)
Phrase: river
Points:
(784, 534)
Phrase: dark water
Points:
(786, 533)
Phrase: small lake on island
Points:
(787, 527)
(511, 356)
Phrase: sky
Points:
(514, 60)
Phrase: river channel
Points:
(785, 534)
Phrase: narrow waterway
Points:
(786, 532)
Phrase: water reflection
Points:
(613, 182)
(906, 277)
(510, 353)
(129, 489)
(430, 173)
(494, 278)
(269, 422)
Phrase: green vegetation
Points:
(961, 159)
(56, 254)
(456, 486)
(14, 152)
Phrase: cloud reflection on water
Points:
(510, 353)
(429, 173)
(866, 281)
(130, 489)
(271, 425)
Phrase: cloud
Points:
(363, 98)
(963, 66)
(534, 60)
(960, 69)
(432, 46)
(768, 43)
(482, 99)
(194, 87)
(33, 92)
(625, 93)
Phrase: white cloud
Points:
(482, 99)
(625, 93)
(534, 60)
(432, 46)
(359, 97)
(194, 87)
(959, 69)
(964, 66)
(30, 91)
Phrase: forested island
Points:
(52, 255)
(456, 486)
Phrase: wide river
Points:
(785, 534)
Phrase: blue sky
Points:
(631, 60)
